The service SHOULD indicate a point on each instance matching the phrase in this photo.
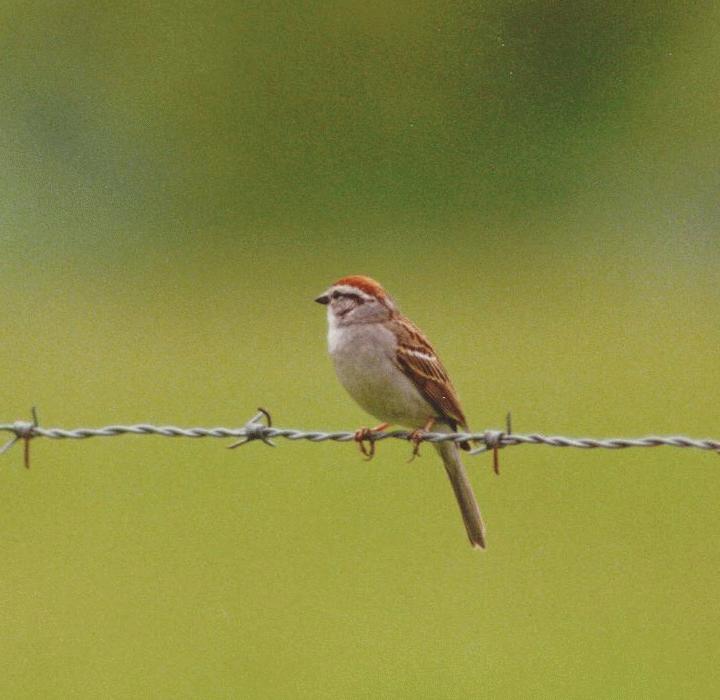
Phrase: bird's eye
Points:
(335, 295)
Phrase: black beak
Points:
(323, 299)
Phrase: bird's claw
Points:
(363, 436)
(415, 437)
(367, 435)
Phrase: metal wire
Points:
(255, 429)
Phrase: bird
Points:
(388, 366)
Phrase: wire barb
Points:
(255, 430)
(493, 440)
(24, 431)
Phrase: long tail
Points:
(463, 492)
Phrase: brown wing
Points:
(417, 359)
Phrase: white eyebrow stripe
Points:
(348, 289)
(422, 355)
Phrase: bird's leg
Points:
(363, 435)
(416, 436)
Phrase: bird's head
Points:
(357, 299)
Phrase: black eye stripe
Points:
(347, 295)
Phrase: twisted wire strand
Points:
(254, 430)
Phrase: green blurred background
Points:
(536, 183)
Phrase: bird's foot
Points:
(416, 437)
(366, 435)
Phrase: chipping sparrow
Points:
(388, 366)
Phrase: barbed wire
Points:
(256, 429)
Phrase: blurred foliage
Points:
(536, 183)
